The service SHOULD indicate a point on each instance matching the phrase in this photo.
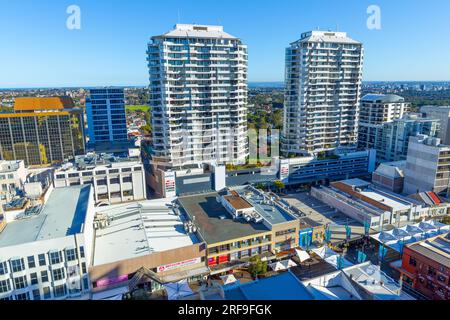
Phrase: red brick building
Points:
(426, 267)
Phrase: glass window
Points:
(33, 278)
(83, 267)
(55, 257)
(47, 294)
(23, 296)
(86, 283)
(20, 282)
(5, 286)
(42, 261)
(3, 268)
(44, 276)
(36, 294)
(17, 265)
(58, 274)
(60, 291)
(71, 254)
(82, 251)
(31, 263)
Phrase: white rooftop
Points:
(327, 36)
(198, 31)
(394, 204)
(376, 282)
(392, 169)
(139, 228)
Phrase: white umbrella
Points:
(228, 279)
(302, 255)
(178, 290)
(288, 263)
(277, 266)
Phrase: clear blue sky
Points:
(38, 50)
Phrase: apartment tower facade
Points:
(322, 93)
(377, 109)
(198, 96)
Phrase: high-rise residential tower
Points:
(322, 93)
(377, 109)
(198, 96)
(105, 108)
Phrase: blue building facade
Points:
(105, 108)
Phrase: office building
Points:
(198, 95)
(113, 179)
(42, 131)
(105, 109)
(394, 138)
(443, 114)
(322, 94)
(427, 166)
(426, 267)
(377, 109)
(45, 252)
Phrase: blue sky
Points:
(39, 51)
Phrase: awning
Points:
(277, 266)
(229, 278)
(397, 237)
(302, 255)
(185, 274)
(288, 263)
(178, 290)
(112, 294)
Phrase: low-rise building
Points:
(150, 235)
(359, 282)
(13, 175)
(366, 203)
(426, 267)
(390, 175)
(45, 252)
(114, 179)
(239, 224)
(293, 172)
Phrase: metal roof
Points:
(63, 214)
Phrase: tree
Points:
(147, 129)
(259, 186)
(446, 220)
(278, 185)
(257, 266)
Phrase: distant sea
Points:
(279, 84)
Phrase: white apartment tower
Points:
(376, 110)
(323, 88)
(198, 96)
